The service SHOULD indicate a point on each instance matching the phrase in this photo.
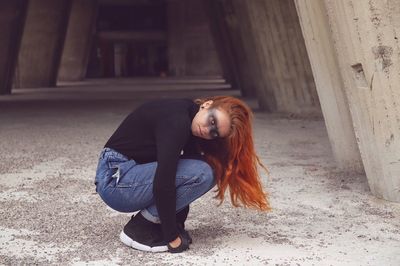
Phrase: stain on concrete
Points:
(383, 54)
(389, 140)
(375, 14)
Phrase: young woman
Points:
(168, 153)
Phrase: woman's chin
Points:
(194, 133)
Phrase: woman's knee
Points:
(194, 171)
(207, 175)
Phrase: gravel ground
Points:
(50, 213)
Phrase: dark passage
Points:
(130, 41)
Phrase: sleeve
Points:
(171, 136)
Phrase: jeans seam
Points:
(125, 185)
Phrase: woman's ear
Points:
(207, 104)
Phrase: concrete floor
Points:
(50, 213)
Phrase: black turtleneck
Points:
(159, 131)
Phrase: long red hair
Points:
(233, 158)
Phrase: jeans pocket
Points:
(120, 170)
(112, 164)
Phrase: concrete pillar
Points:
(329, 83)
(78, 41)
(253, 82)
(366, 37)
(176, 26)
(223, 43)
(12, 17)
(191, 51)
(284, 63)
(42, 43)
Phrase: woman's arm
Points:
(171, 135)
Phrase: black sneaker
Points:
(144, 235)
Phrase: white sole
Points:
(133, 244)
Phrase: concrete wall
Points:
(253, 81)
(236, 19)
(271, 56)
(12, 18)
(366, 38)
(284, 61)
(42, 43)
(223, 43)
(330, 85)
(78, 41)
(191, 50)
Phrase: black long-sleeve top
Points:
(159, 131)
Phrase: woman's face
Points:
(211, 123)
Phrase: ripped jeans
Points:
(127, 186)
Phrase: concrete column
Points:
(283, 57)
(176, 39)
(42, 43)
(78, 41)
(329, 83)
(12, 17)
(191, 50)
(253, 82)
(366, 37)
(223, 43)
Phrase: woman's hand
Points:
(176, 243)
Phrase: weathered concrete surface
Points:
(78, 41)
(12, 18)
(191, 50)
(42, 42)
(366, 36)
(330, 86)
(223, 44)
(233, 34)
(50, 214)
(236, 18)
(277, 58)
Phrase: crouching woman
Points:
(168, 153)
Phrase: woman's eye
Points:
(214, 135)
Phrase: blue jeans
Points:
(127, 186)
